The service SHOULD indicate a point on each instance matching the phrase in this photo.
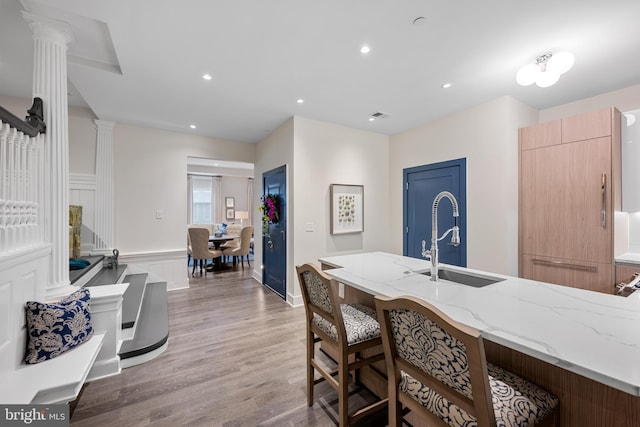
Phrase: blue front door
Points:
(422, 184)
(274, 242)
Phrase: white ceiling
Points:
(141, 61)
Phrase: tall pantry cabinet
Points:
(569, 187)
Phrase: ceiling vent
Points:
(380, 115)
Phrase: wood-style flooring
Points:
(236, 357)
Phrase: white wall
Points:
(325, 154)
(624, 100)
(82, 133)
(318, 154)
(487, 135)
(236, 187)
(82, 141)
(151, 174)
(272, 152)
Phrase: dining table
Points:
(217, 242)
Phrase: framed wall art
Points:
(347, 208)
(229, 202)
(231, 213)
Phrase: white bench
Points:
(57, 380)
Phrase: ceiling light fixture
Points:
(192, 126)
(371, 119)
(207, 76)
(547, 69)
(365, 49)
(446, 86)
(300, 101)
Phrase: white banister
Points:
(18, 191)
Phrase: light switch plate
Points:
(159, 213)
(309, 227)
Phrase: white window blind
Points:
(201, 200)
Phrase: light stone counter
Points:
(589, 333)
(629, 258)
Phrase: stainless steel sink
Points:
(469, 279)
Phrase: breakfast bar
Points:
(580, 345)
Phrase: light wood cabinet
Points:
(594, 124)
(541, 135)
(567, 190)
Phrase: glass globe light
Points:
(560, 63)
(528, 74)
(547, 78)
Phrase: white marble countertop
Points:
(589, 333)
(629, 258)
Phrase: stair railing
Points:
(20, 171)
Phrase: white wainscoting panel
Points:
(24, 278)
(162, 266)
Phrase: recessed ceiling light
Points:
(300, 101)
(207, 76)
(365, 49)
(446, 86)
(192, 126)
(371, 119)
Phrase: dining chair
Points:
(349, 329)
(243, 248)
(437, 367)
(234, 230)
(200, 250)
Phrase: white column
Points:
(51, 39)
(103, 242)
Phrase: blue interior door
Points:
(274, 244)
(422, 185)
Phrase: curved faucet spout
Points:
(434, 211)
(455, 236)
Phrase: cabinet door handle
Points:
(604, 200)
(561, 264)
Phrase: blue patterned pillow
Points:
(55, 328)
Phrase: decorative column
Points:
(103, 242)
(51, 39)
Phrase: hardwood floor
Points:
(236, 357)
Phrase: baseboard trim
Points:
(295, 300)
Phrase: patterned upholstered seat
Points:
(346, 329)
(359, 320)
(431, 351)
(516, 402)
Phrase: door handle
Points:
(604, 200)
(282, 232)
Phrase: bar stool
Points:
(347, 328)
(437, 367)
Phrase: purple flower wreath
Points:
(270, 215)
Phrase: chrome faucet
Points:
(432, 254)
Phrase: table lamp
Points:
(242, 215)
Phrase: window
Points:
(201, 200)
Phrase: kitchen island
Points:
(582, 346)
